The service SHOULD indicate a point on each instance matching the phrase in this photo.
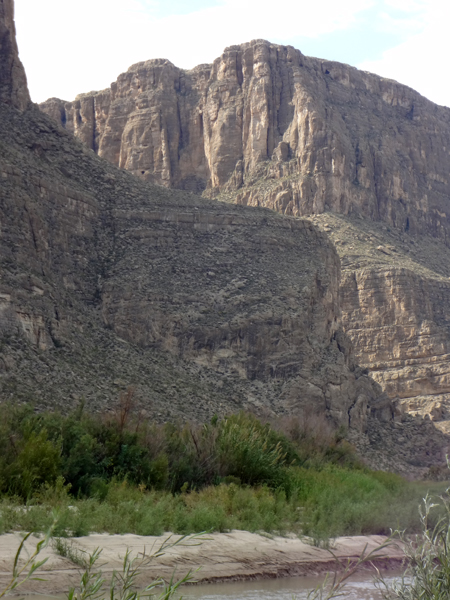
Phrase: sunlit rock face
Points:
(266, 126)
(320, 134)
(394, 299)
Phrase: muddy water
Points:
(360, 587)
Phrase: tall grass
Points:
(122, 583)
(117, 473)
(331, 503)
(427, 574)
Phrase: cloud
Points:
(420, 60)
(68, 48)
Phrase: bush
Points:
(250, 451)
(90, 451)
(37, 463)
(122, 474)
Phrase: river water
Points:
(360, 587)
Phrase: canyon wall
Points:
(395, 291)
(266, 126)
(204, 308)
(110, 282)
(321, 135)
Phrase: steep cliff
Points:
(108, 281)
(395, 306)
(97, 265)
(266, 126)
(320, 135)
(13, 82)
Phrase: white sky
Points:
(73, 47)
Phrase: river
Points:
(360, 587)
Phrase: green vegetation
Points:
(123, 584)
(119, 473)
(427, 575)
(427, 572)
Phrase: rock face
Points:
(408, 343)
(108, 281)
(323, 136)
(395, 306)
(98, 266)
(13, 82)
(266, 126)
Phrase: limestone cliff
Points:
(320, 135)
(266, 126)
(395, 306)
(108, 281)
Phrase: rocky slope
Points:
(205, 307)
(95, 262)
(266, 126)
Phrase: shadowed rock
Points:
(13, 81)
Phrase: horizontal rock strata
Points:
(395, 306)
(266, 126)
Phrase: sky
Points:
(75, 47)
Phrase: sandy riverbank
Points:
(236, 555)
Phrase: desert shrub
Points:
(123, 474)
(316, 441)
(96, 449)
(37, 463)
(251, 451)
